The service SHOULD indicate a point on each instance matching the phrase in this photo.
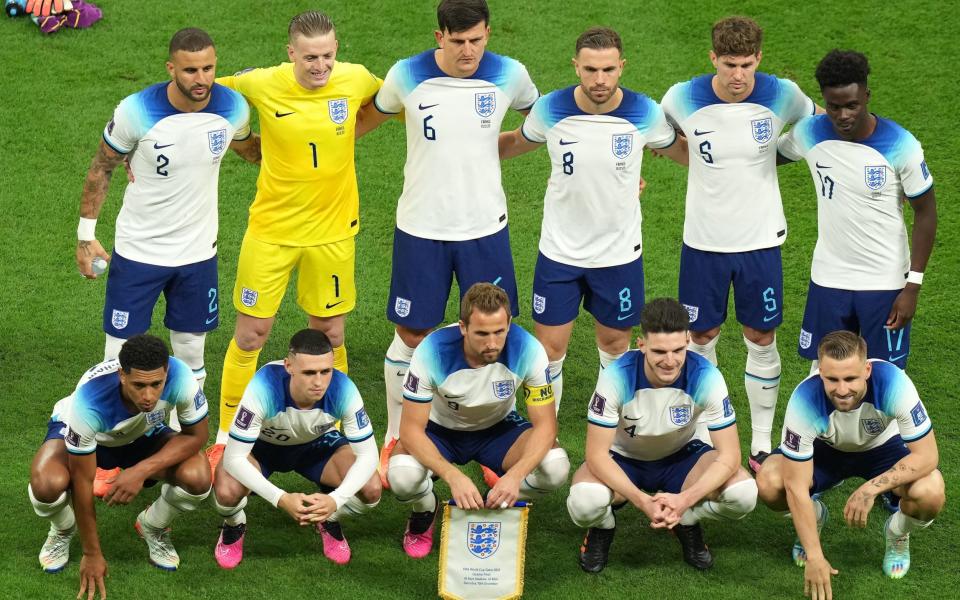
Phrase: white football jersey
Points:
(862, 239)
(469, 399)
(94, 414)
(268, 412)
(733, 197)
(591, 211)
(891, 406)
(451, 180)
(653, 423)
(169, 213)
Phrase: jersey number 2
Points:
(162, 162)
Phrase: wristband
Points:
(86, 230)
(915, 277)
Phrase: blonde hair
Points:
(485, 297)
(840, 345)
(311, 23)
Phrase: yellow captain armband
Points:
(538, 395)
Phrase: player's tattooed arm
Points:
(248, 149)
(97, 183)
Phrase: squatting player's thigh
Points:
(263, 271)
(827, 309)
(487, 259)
(422, 272)
(132, 291)
(193, 302)
(704, 285)
(557, 291)
(315, 459)
(325, 284)
(502, 445)
(615, 294)
(758, 288)
(872, 308)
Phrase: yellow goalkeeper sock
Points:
(239, 367)
(340, 358)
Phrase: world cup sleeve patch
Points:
(919, 415)
(362, 419)
(597, 404)
(244, 418)
(199, 400)
(412, 383)
(792, 440)
(72, 437)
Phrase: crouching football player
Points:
(115, 418)
(460, 405)
(286, 421)
(640, 441)
(854, 418)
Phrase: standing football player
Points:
(734, 223)
(864, 277)
(590, 242)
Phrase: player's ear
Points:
(290, 53)
(713, 58)
(463, 328)
(868, 369)
(759, 56)
(438, 35)
(170, 69)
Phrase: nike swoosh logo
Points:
(896, 358)
(334, 304)
(425, 107)
(622, 317)
(631, 419)
(401, 374)
(567, 143)
(453, 396)
(770, 318)
(768, 387)
(280, 114)
(211, 320)
(157, 146)
(819, 166)
(698, 132)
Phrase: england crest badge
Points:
(339, 110)
(539, 304)
(872, 426)
(155, 418)
(622, 145)
(217, 141)
(248, 297)
(485, 103)
(762, 130)
(119, 319)
(401, 307)
(504, 389)
(483, 538)
(875, 176)
(692, 312)
(806, 338)
(680, 415)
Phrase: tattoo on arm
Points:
(97, 183)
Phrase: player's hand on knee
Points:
(816, 579)
(505, 493)
(465, 492)
(293, 503)
(320, 507)
(124, 487)
(93, 570)
(858, 506)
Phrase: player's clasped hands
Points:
(816, 579)
(320, 507)
(298, 506)
(93, 570)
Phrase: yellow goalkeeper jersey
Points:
(307, 187)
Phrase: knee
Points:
(739, 499)
(587, 503)
(411, 337)
(702, 338)
(228, 493)
(406, 476)
(929, 494)
(553, 469)
(193, 475)
(251, 334)
(371, 491)
(49, 485)
(770, 486)
(761, 337)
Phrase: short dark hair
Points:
(599, 38)
(145, 353)
(840, 68)
(461, 15)
(311, 23)
(190, 39)
(840, 345)
(485, 297)
(310, 341)
(736, 36)
(664, 315)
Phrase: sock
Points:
(607, 358)
(762, 381)
(556, 379)
(550, 474)
(395, 366)
(188, 347)
(232, 515)
(353, 507)
(708, 350)
(901, 524)
(173, 501)
(733, 504)
(111, 349)
(340, 358)
(814, 367)
(239, 367)
(60, 511)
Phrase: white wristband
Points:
(86, 230)
(915, 277)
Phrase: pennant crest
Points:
(483, 538)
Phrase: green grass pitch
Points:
(56, 94)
